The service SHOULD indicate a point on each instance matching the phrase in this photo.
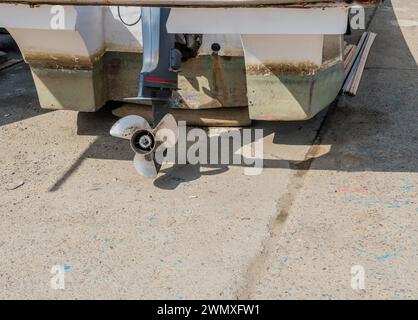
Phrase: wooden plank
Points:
(353, 79)
(351, 72)
(348, 63)
(360, 69)
(349, 60)
(3, 57)
(217, 117)
(348, 48)
(10, 63)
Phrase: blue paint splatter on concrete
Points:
(372, 226)
(152, 218)
(394, 206)
(407, 187)
(185, 211)
(361, 250)
(385, 256)
(406, 202)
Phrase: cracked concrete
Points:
(283, 205)
(336, 191)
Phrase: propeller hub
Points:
(143, 141)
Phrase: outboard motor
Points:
(157, 81)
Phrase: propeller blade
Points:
(167, 131)
(125, 127)
(145, 165)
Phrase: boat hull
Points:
(93, 58)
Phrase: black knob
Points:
(216, 47)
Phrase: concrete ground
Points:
(336, 192)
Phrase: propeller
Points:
(149, 144)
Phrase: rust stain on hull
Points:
(218, 80)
